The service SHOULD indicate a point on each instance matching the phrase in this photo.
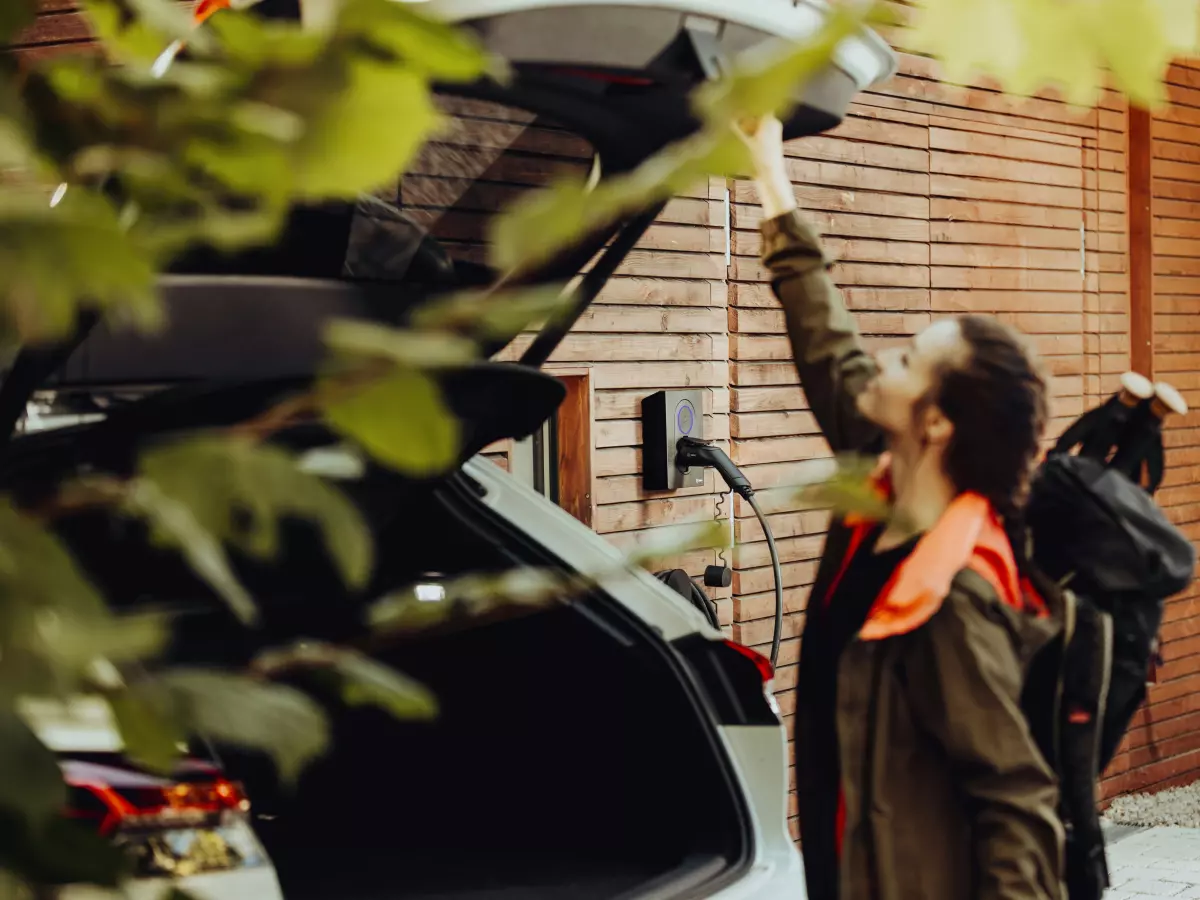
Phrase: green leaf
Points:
(33, 786)
(368, 136)
(1029, 45)
(15, 15)
(850, 491)
(15, 150)
(140, 30)
(14, 887)
(151, 733)
(238, 490)
(399, 418)
(173, 524)
(423, 606)
(674, 540)
(363, 681)
(36, 567)
(541, 223)
(233, 709)
(493, 316)
(120, 639)
(418, 349)
(56, 261)
(259, 45)
(55, 630)
(437, 50)
(61, 852)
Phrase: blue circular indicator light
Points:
(685, 417)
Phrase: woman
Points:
(916, 772)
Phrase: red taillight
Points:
(606, 77)
(761, 662)
(145, 805)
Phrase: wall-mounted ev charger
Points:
(675, 455)
(667, 418)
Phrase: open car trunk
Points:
(573, 755)
(565, 765)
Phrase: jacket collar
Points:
(969, 535)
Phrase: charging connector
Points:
(693, 453)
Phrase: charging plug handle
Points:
(692, 452)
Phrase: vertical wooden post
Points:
(576, 449)
(1139, 160)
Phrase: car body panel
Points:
(757, 754)
(248, 884)
(586, 552)
(743, 25)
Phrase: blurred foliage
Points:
(1073, 46)
(423, 606)
(852, 491)
(112, 166)
(212, 150)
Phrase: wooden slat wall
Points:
(660, 324)
(59, 28)
(1163, 747)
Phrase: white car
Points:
(618, 746)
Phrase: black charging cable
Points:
(692, 452)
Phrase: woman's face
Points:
(906, 376)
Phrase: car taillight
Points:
(621, 78)
(760, 662)
(112, 807)
(736, 679)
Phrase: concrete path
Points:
(1154, 863)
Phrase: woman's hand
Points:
(764, 138)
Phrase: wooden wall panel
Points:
(660, 324)
(59, 28)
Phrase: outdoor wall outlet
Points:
(666, 417)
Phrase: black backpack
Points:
(1105, 558)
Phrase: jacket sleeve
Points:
(829, 356)
(964, 682)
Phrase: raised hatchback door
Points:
(620, 71)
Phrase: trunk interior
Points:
(568, 761)
(565, 764)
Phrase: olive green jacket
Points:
(944, 792)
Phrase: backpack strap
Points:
(1086, 670)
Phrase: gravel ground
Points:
(1177, 806)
